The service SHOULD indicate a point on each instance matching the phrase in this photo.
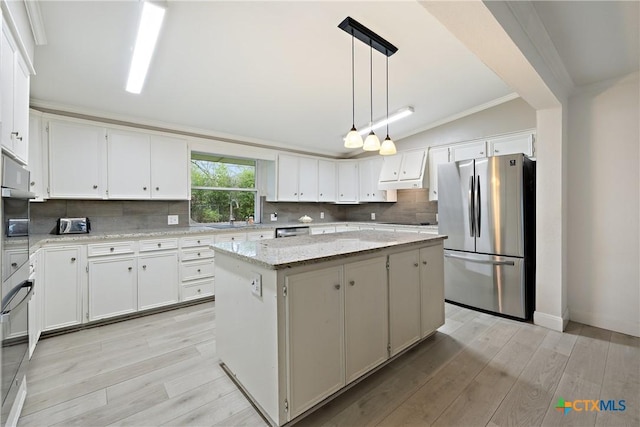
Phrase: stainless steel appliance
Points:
(73, 225)
(487, 208)
(291, 231)
(16, 288)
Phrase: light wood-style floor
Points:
(476, 370)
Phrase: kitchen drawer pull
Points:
(198, 241)
(159, 245)
(336, 286)
(73, 259)
(352, 282)
(95, 187)
(157, 188)
(144, 267)
(199, 254)
(144, 188)
(112, 249)
(415, 264)
(130, 268)
(424, 262)
(198, 270)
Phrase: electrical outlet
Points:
(274, 216)
(256, 284)
(373, 216)
(321, 215)
(172, 219)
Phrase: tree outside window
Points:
(222, 189)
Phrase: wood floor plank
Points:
(246, 418)
(589, 355)
(65, 410)
(530, 397)
(429, 401)
(572, 388)
(213, 412)
(478, 401)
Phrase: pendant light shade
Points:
(353, 138)
(371, 143)
(388, 147)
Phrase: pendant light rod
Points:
(371, 85)
(387, 120)
(367, 36)
(353, 88)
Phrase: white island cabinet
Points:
(295, 327)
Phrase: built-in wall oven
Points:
(16, 288)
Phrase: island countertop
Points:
(288, 252)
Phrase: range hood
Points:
(404, 170)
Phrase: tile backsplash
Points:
(412, 207)
(109, 215)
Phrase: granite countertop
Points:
(42, 239)
(278, 254)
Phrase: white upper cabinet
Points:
(129, 168)
(390, 168)
(512, 144)
(77, 160)
(369, 172)
(297, 179)
(437, 156)
(169, 168)
(404, 170)
(468, 151)
(156, 167)
(348, 182)
(326, 181)
(14, 97)
(38, 158)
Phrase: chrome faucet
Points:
(231, 203)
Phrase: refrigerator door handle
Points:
(472, 230)
(478, 261)
(478, 207)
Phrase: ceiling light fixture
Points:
(374, 41)
(388, 147)
(394, 117)
(148, 31)
(353, 138)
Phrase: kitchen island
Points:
(301, 319)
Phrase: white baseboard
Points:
(555, 323)
(629, 327)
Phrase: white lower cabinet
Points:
(432, 291)
(404, 300)
(315, 337)
(366, 320)
(157, 280)
(197, 266)
(62, 283)
(112, 287)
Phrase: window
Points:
(222, 189)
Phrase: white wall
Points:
(603, 206)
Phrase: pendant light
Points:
(371, 143)
(388, 147)
(353, 138)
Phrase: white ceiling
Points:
(278, 72)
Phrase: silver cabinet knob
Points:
(112, 249)
(199, 291)
(73, 259)
(130, 268)
(95, 186)
(144, 188)
(233, 238)
(159, 245)
(337, 286)
(14, 264)
(157, 188)
(198, 270)
(415, 264)
(424, 262)
(33, 183)
(198, 241)
(352, 282)
(198, 253)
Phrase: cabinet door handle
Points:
(14, 134)
(233, 238)
(14, 264)
(111, 249)
(73, 259)
(95, 187)
(159, 245)
(199, 291)
(415, 264)
(198, 253)
(198, 270)
(495, 151)
(33, 183)
(336, 286)
(144, 267)
(198, 241)
(157, 188)
(130, 268)
(144, 188)
(352, 282)
(424, 262)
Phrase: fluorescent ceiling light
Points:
(148, 31)
(401, 113)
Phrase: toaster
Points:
(73, 225)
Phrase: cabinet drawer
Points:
(198, 253)
(236, 237)
(260, 235)
(196, 270)
(114, 248)
(198, 289)
(190, 242)
(158, 244)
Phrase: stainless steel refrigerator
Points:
(487, 208)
